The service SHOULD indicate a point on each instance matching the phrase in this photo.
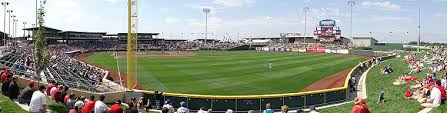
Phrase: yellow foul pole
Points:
(132, 31)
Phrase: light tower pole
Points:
(351, 3)
(206, 11)
(31, 30)
(419, 26)
(14, 23)
(24, 25)
(4, 22)
(9, 23)
(305, 9)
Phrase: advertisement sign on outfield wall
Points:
(343, 51)
(302, 50)
(320, 50)
(296, 50)
(333, 51)
(327, 50)
(265, 49)
(310, 50)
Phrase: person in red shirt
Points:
(439, 86)
(57, 93)
(51, 85)
(116, 108)
(66, 98)
(89, 105)
(359, 107)
(363, 102)
(5, 74)
(408, 94)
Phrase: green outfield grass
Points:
(394, 95)
(232, 72)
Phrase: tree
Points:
(40, 45)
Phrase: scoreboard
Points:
(327, 31)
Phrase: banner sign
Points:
(310, 50)
(320, 50)
(302, 50)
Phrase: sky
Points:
(385, 20)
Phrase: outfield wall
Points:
(244, 103)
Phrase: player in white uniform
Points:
(270, 65)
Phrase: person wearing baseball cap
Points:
(168, 104)
(183, 108)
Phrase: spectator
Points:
(13, 90)
(268, 108)
(183, 108)
(435, 98)
(63, 94)
(299, 111)
(381, 97)
(229, 111)
(158, 98)
(89, 105)
(100, 106)
(166, 110)
(27, 93)
(131, 109)
(439, 86)
(5, 74)
(141, 106)
(58, 93)
(210, 111)
(116, 108)
(38, 103)
(363, 102)
(359, 107)
(73, 110)
(70, 102)
(66, 97)
(284, 109)
(50, 87)
(168, 104)
(313, 109)
(202, 110)
(53, 90)
(251, 111)
(80, 103)
(5, 84)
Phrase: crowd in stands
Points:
(181, 46)
(308, 45)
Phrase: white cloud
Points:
(385, 5)
(388, 18)
(440, 16)
(112, 1)
(234, 3)
(171, 20)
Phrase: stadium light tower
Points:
(24, 25)
(15, 27)
(419, 26)
(351, 3)
(305, 9)
(206, 11)
(9, 23)
(4, 22)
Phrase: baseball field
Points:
(228, 72)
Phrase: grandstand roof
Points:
(103, 33)
(46, 28)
